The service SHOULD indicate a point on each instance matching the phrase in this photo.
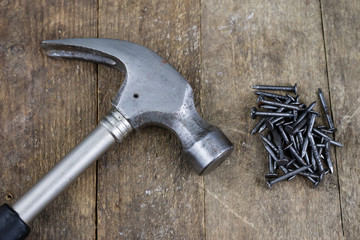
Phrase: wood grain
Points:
(341, 29)
(145, 189)
(46, 107)
(256, 42)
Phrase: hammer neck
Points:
(116, 125)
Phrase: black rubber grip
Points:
(11, 225)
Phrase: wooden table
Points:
(142, 188)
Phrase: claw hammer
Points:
(153, 93)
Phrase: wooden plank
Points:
(145, 189)
(341, 29)
(46, 107)
(261, 42)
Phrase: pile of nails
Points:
(295, 145)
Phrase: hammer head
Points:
(153, 93)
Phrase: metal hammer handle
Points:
(113, 128)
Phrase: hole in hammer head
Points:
(9, 197)
(136, 95)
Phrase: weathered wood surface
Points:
(342, 35)
(145, 189)
(262, 42)
(46, 107)
(142, 188)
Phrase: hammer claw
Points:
(80, 55)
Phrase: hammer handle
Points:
(114, 127)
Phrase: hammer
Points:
(153, 94)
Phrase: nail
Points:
(276, 138)
(326, 110)
(263, 127)
(262, 101)
(268, 142)
(321, 134)
(320, 150)
(327, 155)
(306, 173)
(283, 134)
(300, 138)
(316, 153)
(289, 174)
(255, 113)
(271, 95)
(282, 159)
(304, 147)
(273, 155)
(257, 126)
(307, 160)
(271, 173)
(321, 176)
(309, 130)
(276, 88)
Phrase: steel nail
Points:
(289, 174)
(304, 147)
(262, 101)
(306, 174)
(326, 110)
(328, 158)
(307, 160)
(313, 161)
(316, 153)
(257, 126)
(273, 155)
(321, 134)
(255, 113)
(271, 95)
(268, 142)
(276, 88)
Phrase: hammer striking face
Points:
(153, 93)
